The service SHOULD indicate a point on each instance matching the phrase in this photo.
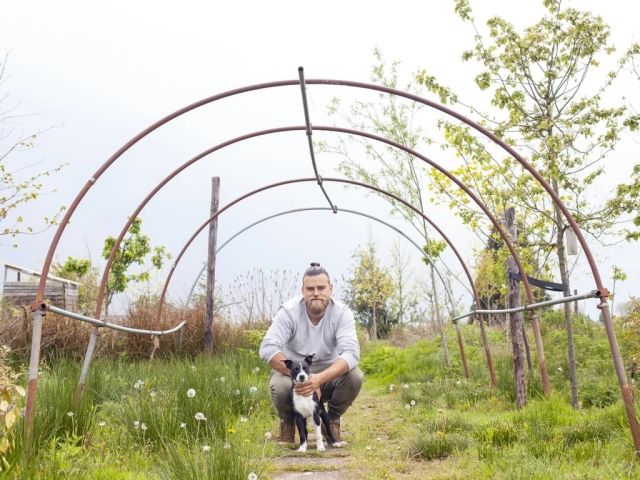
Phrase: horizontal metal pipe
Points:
(533, 306)
(113, 326)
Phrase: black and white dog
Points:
(305, 407)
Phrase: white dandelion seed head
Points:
(183, 425)
(407, 406)
(392, 387)
(252, 476)
(143, 427)
(243, 419)
(152, 393)
(267, 436)
(136, 424)
(237, 391)
(222, 379)
(257, 369)
(458, 382)
(191, 393)
(200, 416)
(405, 386)
(138, 385)
(253, 389)
(413, 403)
(193, 367)
(206, 448)
(102, 423)
(226, 445)
(69, 414)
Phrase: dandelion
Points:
(243, 419)
(226, 445)
(138, 385)
(193, 367)
(191, 393)
(440, 410)
(440, 434)
(237, 392)
(407, 406)
(368, 447)
(206, 448)
(183, 425)
(405, 386)
(413, 403)
(252, 476)
(136, 424)
(257, 369)
(200, 416)
(560, 369)
(231, 430)
(222, 379)
(69, 414)
(102, 423)
(267, 436)
(152, 393)
(379, 439)
(143, 427)
(392, 387)
(458, 382)
(253, 389)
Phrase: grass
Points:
(413, 419)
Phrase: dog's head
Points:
(300, 370)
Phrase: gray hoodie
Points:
(292, 333)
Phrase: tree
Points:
(135, 249)
(17, 186)
(81, 270)
(404, 298)
(369, 289)
(542, 105)
(389, 168)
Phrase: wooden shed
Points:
(21, 285)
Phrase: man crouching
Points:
(314, 324)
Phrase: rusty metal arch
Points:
(38, 307)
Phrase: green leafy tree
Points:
(135, 249)
(17, 186)
(541, 104)
(404, 299)
(369, 289)
(81, 270)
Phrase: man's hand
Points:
(312, 385)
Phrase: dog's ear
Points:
(288, 363)
(309, 358)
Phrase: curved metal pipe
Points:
(308, 209)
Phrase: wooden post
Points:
(211, 266)
(516, 320)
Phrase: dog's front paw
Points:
(321, 447)
(303, 448)
(338, 444)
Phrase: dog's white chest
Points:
(305, 406)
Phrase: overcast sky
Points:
(94, 74)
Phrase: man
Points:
(314, 324)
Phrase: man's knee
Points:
(280, 388)
(352, 380)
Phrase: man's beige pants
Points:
(340, 393)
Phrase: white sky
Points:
(100, 72)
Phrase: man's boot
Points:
(287, 432)
(334, 423)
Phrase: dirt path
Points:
(378, 431)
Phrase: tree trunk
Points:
(516, 320)
(211, 267)
(374, 325)
(564, 277)
(443, 336)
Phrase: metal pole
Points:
(34, 365)
(88, 356)
(309, 132)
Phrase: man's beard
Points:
(316, 306)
